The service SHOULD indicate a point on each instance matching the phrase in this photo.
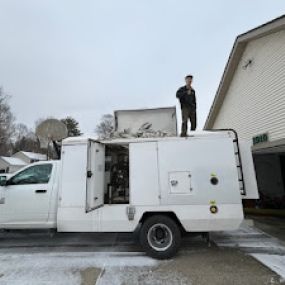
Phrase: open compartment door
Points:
(95, 175)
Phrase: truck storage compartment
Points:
(117, 174)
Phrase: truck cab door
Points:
(25, 197)
(95, 175)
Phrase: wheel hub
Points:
(160, 237)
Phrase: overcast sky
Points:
(87, 58)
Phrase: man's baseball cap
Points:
(189, 76)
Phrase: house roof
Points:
(33, 155)
(13, 161)
(241, 41)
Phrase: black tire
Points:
(160, 237)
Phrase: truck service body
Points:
(172, 184)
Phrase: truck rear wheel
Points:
(160, 237)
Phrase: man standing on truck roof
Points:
(187, 98)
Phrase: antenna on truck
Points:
(51, 130)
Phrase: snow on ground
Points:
(265, 248)
(64, 268)
(274, 262)
(141, 275)
(60, 268)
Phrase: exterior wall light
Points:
(247, 63)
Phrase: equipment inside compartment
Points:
(116, 174)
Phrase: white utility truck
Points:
(161, 186)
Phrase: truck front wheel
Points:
(160, 237)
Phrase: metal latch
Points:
(89, 173)
(131, 210)
(174, 182)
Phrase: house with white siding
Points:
(251, 99)
(10, 164)
(19, 160)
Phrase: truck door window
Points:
(37, 174)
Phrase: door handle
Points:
(174, 182)
(41, 191)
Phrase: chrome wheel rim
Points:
(160, 237)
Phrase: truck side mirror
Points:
(3, 180)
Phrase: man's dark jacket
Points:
(186, 101)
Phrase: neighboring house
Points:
(29, 157)
(251, 100)
(10, 164)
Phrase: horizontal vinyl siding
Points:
(255, 101)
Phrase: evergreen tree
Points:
(72, 126)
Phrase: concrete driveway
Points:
(234, 258)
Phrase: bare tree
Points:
(24, 139)
(6, 124)
(20, 130)
(106, 126)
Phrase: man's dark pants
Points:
(188, 113)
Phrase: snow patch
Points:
(63, 268)
(275, 262)
(142, 275)
(253, 240)
(248, 238)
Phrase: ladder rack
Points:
(238, 159)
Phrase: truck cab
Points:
(28, 198)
